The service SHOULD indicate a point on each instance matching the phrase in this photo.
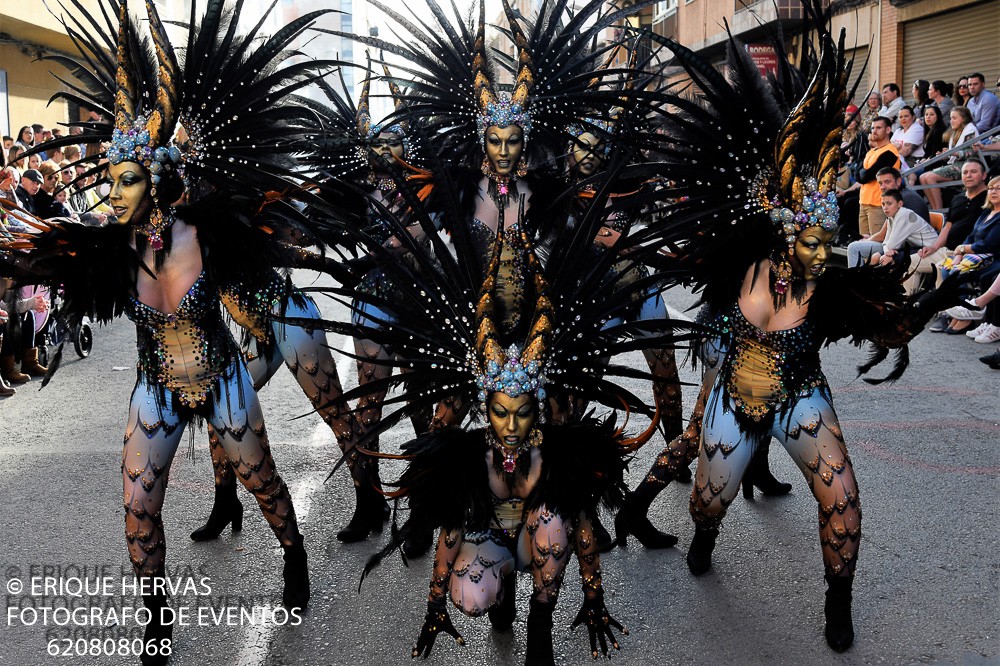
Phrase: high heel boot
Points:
(539, 641)
(156, 631)
(699, 556)
(227, 509)
(759, 474)
(632, 519)
(839, 627)
(296, 576)
(370, 511)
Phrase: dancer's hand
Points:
(435, 622)
(599, 624)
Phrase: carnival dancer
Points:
(761, 214)
(358, 157)
(188, 223)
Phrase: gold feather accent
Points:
(124, 85)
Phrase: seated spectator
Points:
(902, 235)
(21, 341)
(909, 138)
(962, 129)
(934, 129)
(14, 157)
(71, 153)
(984, 105)
(921, 98)
(8, 143)
(892, 102)
(870, 111)
(989, 330)
(31, 183)
(940, 96)
(34, 161)
(982, 241)
(45, 207)
(961, 96)
(889, 178)
(26, 136)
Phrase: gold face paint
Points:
(812, 249)
(511, 418)
(129, 196)
(504, 146)
(585, 157)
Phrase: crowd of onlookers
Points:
(49, 184)
(919, 185)
(922, 181)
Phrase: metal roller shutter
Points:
(947, 46)
(864, 86)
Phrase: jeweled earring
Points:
(522, 168)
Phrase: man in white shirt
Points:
(892, 102)
(904, 233)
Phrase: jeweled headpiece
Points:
(501, 109)
(369, 130)
(143, 135)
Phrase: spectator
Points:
(38, 128)
(989, 331)
(965, 207)
(892, 102)
(26, 137)
(984, 105)
(909, 138)
(31, 182)
(921, 98)
(880, 155)
(71, 153)
(66, 174)
(21, 338)
(14, 156)
(34, 161)
(44, 200)
(62, 207)
(57, 133)
(962, 129)
(889, 178)
(961, 96)
(940, 95)
(8, 143)
(984, 239)
(870, 112)
(902, 234)
(934, 129)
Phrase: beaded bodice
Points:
(765, 368)
(250, 304)
(509, 292)
(184, 351)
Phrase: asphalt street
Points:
(925, 453)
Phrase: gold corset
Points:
(509, 513)
(755, 381)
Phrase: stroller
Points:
(58, 331)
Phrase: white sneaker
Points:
(965, 314)
(978, 330)
(990, 335)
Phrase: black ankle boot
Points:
(539, 648)
(632, 519)
(227, 509)
(157, 632)
(699, 557)
(502, 615)
(418, 543)
(296, 575)
(759, 474)
(839, 627)
(370, 511)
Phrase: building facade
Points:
(902, 40)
